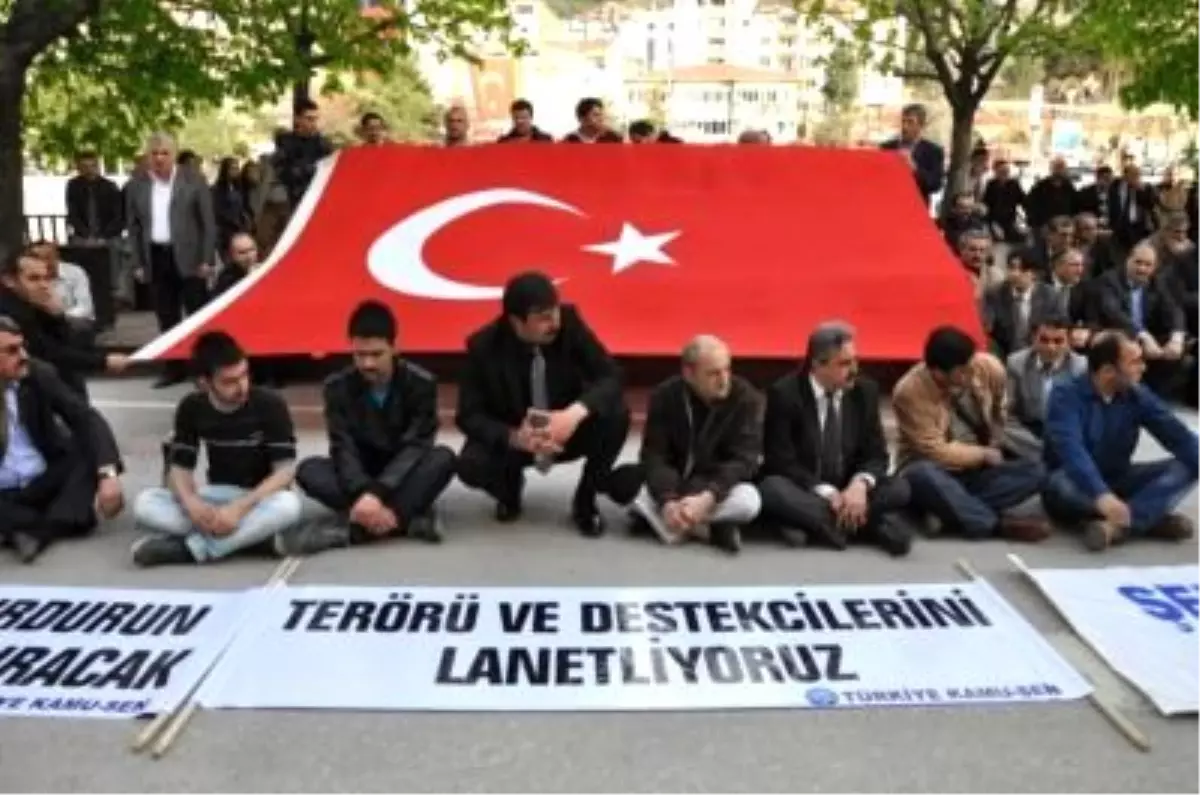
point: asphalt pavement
(1026, 748)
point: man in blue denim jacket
(1092, 426)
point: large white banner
(1142, 620)
(529, 649)
(108, 653)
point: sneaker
(158, 550)
(309, 538)
(427, 527)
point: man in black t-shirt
(384, 470)
(250, 441)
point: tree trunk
(12, 176)
(962, 141)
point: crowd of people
(1084, 306)
(808, 461)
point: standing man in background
(925, 158)
(174, 235)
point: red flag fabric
(653, 243)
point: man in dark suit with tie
(927, 159)
(59, 464)
(1008, 308)
(538, 389)
(384, 470)
(1132, 299)
(825, 458)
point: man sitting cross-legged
(248, 435)
(1032, 373)
(1092, 428)
(538, 389)
(825, 458)
(59, 464)
(700, 450)
(383, 471)
(950, 418)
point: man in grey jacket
(174, 236)
(1032, 373)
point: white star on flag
(634, 247)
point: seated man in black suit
(27, 297)
(700, 451)
(58, 459)
(825, 458)
(539, 388)
(1072, 290)
(1134, 300)
(384, 471)
(1009, 307)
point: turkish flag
(653, 243)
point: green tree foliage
(1156, 41)
(102, 73)
(961, 45)
(841, 76)
(401, 96)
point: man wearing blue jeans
(1092, 427)
(251, 446)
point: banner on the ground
(543, 649)
(1142, 620)
(663, 238)
(107, 653)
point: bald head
(708, 367)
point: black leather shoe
(793, 536)
(589, 522)
(624, 483)
(727, 537)
(508, 512)
(27, 547)
(893, 538)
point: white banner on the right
(1143, 620)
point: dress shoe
(893, 538)
(508, 511)
(1174, 527)
(726, 537)
(1099, 535)
(793, 536)
(158, 550)
(1027, 529)
(426, 527)
(27, 547)
(588, 521)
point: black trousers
(784, 504)
(598, 440)
(415, 495)
(173, 293)
(57, 504)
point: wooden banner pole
(169, 724)
(1114, 716)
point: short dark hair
(948, 348)
(1050, 318)
(520, 104)
(86, 154)
(9, 326)
(1024, 258)
(213, 351)
(586, 106)
(642, 128)
(372, 320)
(303, 106)
(1105, 350)
(528, 293)
(12, 265)
(186, 157)
(369, 117)
(1104, 171)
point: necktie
(539, 396)
(831, 443)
